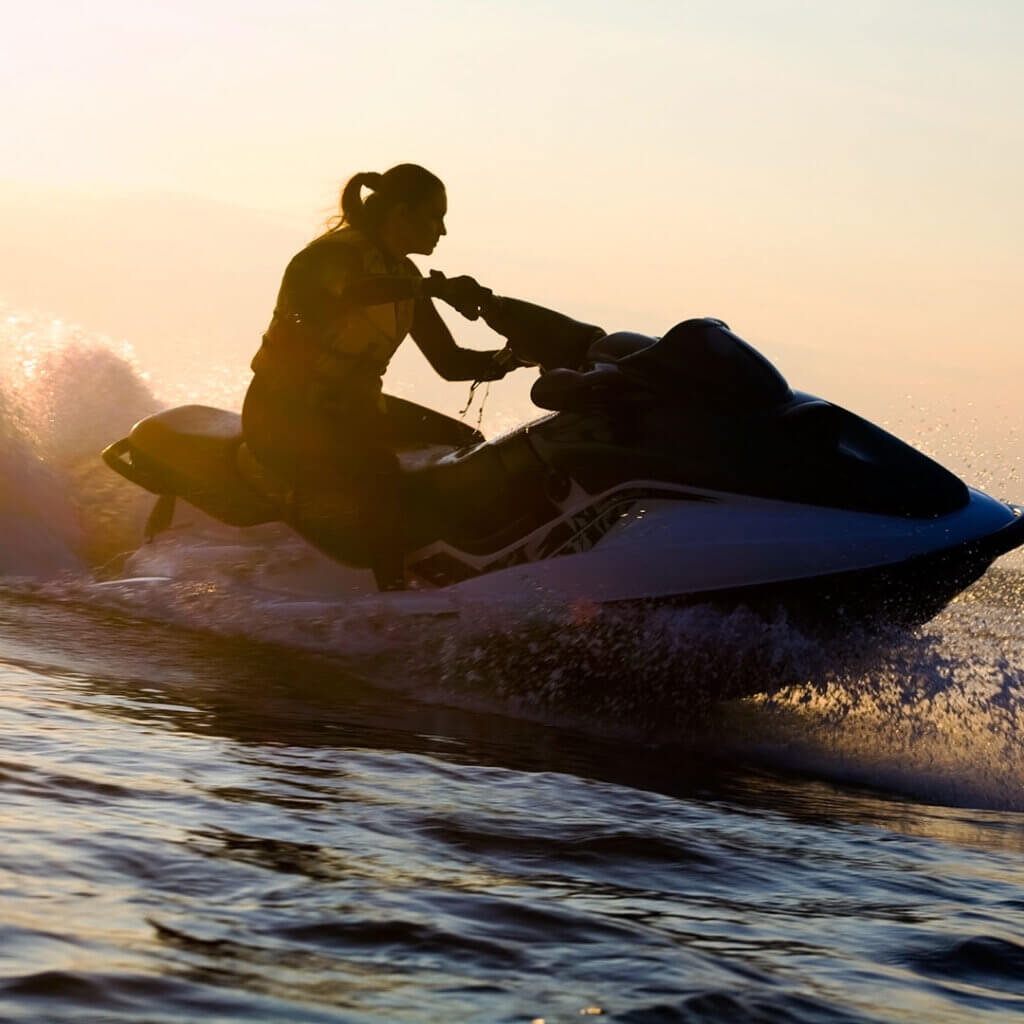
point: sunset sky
(839, 181)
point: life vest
(332, 351)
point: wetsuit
(315, 412)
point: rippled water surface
(206, 827)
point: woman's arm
(435, 341)
(322, 278)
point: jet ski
(679, 469)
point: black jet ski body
(680, 469)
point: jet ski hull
(821, 566)
(652, 545)
(904, 594)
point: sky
(839, 181)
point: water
(219, 805)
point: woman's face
(419, 228)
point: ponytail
(353, 206)
(403, 183)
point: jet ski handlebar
(538, 335)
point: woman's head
(404, 211)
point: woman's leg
(347, 452)
(382, 518)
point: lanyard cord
(483, 401)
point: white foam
(64, 395)
(939, 717)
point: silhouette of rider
(315, 412)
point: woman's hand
(462, 293)
(503, 361)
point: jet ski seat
(190, 452)
(199, 437)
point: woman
(315, 412)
